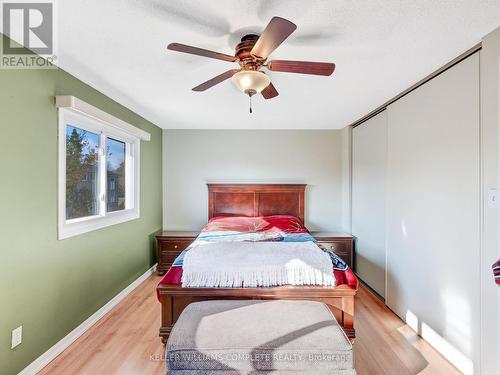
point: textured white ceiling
(380, 48)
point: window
(98, 173)
(115, 175)
(82, 154)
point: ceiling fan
(251, 54)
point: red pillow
(286, 223)
(283, 223)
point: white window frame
(74, 112)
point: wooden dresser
(169, 244)
(340, 243)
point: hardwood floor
(386, 345)
(126, 341)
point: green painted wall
(46, 285)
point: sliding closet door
(433, 211)
(369, 152)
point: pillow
(275, 223)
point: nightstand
(340, 243)
(169, 244)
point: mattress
(267, 228)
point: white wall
(433, 212)
(369, 159)
(194, 157)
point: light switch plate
(493, 198)
(17, 337)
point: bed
(275, 210)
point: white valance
(75, 104)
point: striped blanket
(280, 228)
(271, 228)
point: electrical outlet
(17, 337)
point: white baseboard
(42, 361)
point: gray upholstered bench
(253, 337)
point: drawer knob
(175, 246)
(332, 247)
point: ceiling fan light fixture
(251, 54)
(250, 81)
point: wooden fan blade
(277, 30)
(216, 80)
(200, 52)
(304, 67)
(269, 92)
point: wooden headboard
(256, 199)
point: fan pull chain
(250, 93)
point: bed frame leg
(348, 317)
(343, 310)
(166, 318)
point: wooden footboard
(174, 298)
